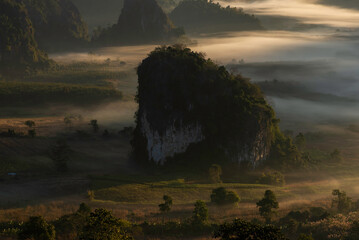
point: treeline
(204, 16)
(30, 93)
(101, 224)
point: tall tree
(267, 205)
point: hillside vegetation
(204, 16)
(341, 3)
(58, 24)
(30, 93)
(141, 21)
(19, 52)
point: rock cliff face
(189, 106)
(141, 21)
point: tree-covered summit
(204, 16)
(141, 21)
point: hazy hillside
(342, 3)
(106, 12)
(203, 16)
(99, 12)
(141, 21)
(19, 53)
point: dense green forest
(58, 24)
(202, 16)
(30, 93)
(19, 52)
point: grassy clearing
(182, 192)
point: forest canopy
(19, 52)
(204, 16)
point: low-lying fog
(319, 51)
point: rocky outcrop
(141, 21)
(190, 108)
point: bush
(102, 225)
(69, 226)
(272, 178)
(215, 172)
(200, 213)
(91, 195)
(341, 201)
(267, 204)
(166, 206)
(243, 230)
(38, 229)
(305, 237)
(221, 196)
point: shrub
(221, 196)
(215, 172)
(94, 125)
(102, 225)
(272, 178)
(166, 206)
(38, 229)
(305, 237)
(341, 201)
(91, 195)
(243, 230)
(30, 123)
(267, 204)
(200, 212)
(69, 226)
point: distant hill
(19, 52)
(102, 13)
(58, 24)
(141, 21)
(283, 89)
(204, 16)
(342, 3)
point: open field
(103, 165)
